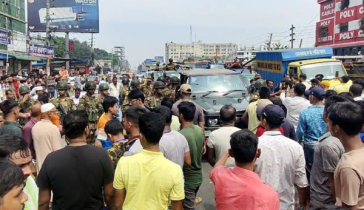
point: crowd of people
(139, 145)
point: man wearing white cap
(186, 91)
(38, 91)
(45, 133)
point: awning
(3, 56)
(26, 57)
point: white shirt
(220, 140)
(174, 146)
(115, 90)
(359, 98)
(308, 86)
(76, 100)
(281, 165)
(294, 105)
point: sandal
(198, 200)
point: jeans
(189, 201)
(309, 150)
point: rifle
(60, 107)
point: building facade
(341, 26)
(180, 52)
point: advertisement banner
(350, 14)
(4, 36)
(80, 16)
(41, 51)
(159, 58)
(327, 10)
(325, 32)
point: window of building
(344, 27)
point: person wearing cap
(281, 164)
(147, 88)
(46, 134)
(155, 100)
(311, 125)
(260, 106)
(63, 103)
(325, 85)
(38, 91)
(250, 116)
(185, 93)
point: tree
(100, 54)
(279, 46)
(58, 44)
(82, 50)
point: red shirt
(261, 130)
(16, 89)
(238, 188)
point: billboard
(159, 58)
(4, 36)
(80, 16)
(327, 10)
(325, 32)
(41, 51)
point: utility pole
(92, 48)
(48, 35)
(301, 43)
(292, 35)
(67, 49)
(270, 41)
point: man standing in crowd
(311, 125)
(77, 96)
(356, 90)
(326, 157)
(12, 185)
(133, 186)
(136, 97)
(91, 170)
(296, 104)
(303, 78)
(27, 129)
(270, 85)
(131, 125)
(124, 94)
(345, 121)
(196, 139)
(46, 134)
(17, 150)
(218, 143)
(63, 103)
(11, 126)
(114, 131)
(246, 189)
(25, 102)
(344, 85)
(104, 91)
(93, 107)
(110, 106)
(155, 101)
(115, 88)
(288, 169)
(185, 92)
(250, 116)
(173, 145)
(175, 124)
(9, 95)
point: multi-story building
(341, 26)
(180, 52)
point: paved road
(206, 191)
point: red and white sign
(327, 25)
(321, 1)
(349, 14)
(327, 10)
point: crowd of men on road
(68, 150)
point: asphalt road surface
(206, 191)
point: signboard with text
(349, 14)
(325, 31)
(41, 51)
(66, 16)
(4, 36)
(327, 10)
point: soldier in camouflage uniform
(63, 103)
(93, 107)
(103, 91)
(124, 92)
(25, 103)
(170, 92)
(170, 65)
(254, 96)
(148, 88)
(155, 101)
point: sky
(144, 26)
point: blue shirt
(311, 125)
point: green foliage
(58, 44)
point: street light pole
(48, 36)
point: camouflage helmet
(260, 83)
(125, 81)
(62, 86)
(24, 90)
(159, 85)
(90, 85)
(175, 80)
(134, 83)
(103, 86)
(161, 79)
